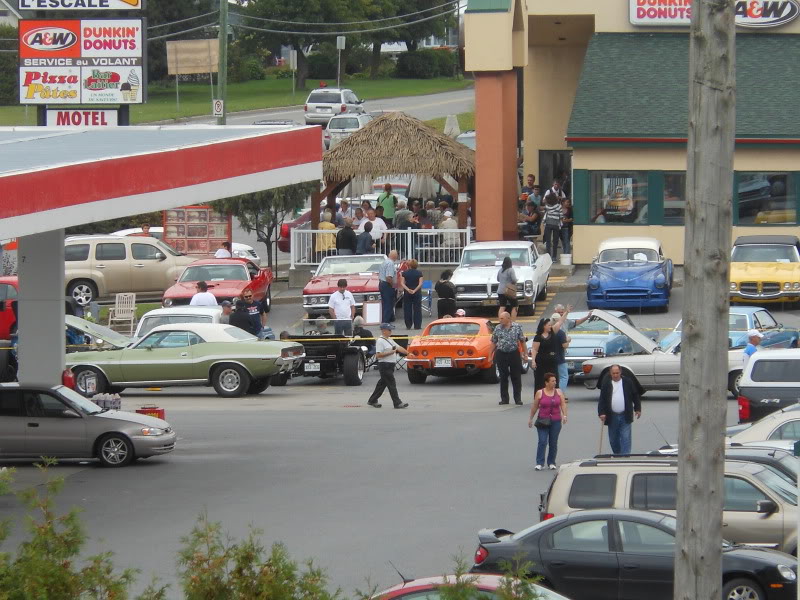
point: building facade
(603, 92)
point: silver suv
(760, 505)
(341, 127)
(324, 103)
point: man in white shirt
(203, 297)
(619, 403)
(342, 308)
(386, 350)
(378, 226)
(224, 251)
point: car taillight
(744, 408)
(68, 379)
(586, 368)
(305, 108)
(344, 107)
(480, 555)
(285, 231)
(546, 516)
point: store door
(555, 164)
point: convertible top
(784, 240)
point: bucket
(566, 259)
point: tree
(264, 212)
(9, 74)
(412, 34)
(704, 339)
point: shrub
(9, 89)
(387, 69)
(445, 61)
(358, 60)
(322, 65)
(417, 64)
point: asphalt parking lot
(348, 485)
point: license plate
(312, 367)
(489, 302)
(443, 362)
(324, 110)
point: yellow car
(765, 268)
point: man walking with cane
(385, 350)
(619, 402)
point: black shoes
(503, 402)
(374, 404)
(518, 402)
(401, 405)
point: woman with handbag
(552, 407)
(507, 289)
(545, 350)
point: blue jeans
(619, 433)
(387, 302)
(548, 436)
(563, 377)
(565, 240)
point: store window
(619, 197)
(674, 198)
(766, 198)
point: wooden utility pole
(222, 71)
(704, 339)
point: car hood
(759, 270)
(98, 332)
(737, 339)
(484, 275)
(636, 336)
(627, 272)
(220, 289)
(129, 417)
(356, 284)
(762, 555)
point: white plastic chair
(123, 311)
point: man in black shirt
(240, 317)
(346, 239)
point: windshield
(774, 253)
(595, 325)
(467, 140)
(787, 491)
(85, 405)
(343, 123)
(791, 462)
(350, 266)
(324, 98)
(491, 257)
(626, 254)
(240, 335)
(455, 329)
(215, 273)
(148, 323)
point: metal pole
(177, 77)
(339, 70)
(222, 77)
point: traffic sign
(218, 107)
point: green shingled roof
(636, 85)
(488, 5)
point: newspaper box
(151, 410)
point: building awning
(634, 88)
(60, 177)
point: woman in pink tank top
(552, 408)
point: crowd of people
(548, 215)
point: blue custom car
(630, 273)
(595, 338)
(740, 320)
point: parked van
(770, 382)
(99, 266)
(760, 505)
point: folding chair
(427, 296)
(123, 311)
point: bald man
(505, 344)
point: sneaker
(374, 404)
(538, 467)
(518, 402)
(553, 467)
(401, 405)
(501, 402)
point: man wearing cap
(387, 277)
(342, 307)
(227, 309)
(386, 349)
(461, 312)
(753, 340)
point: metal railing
(428, 246)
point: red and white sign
(80, 4)
(755, 14)
(81, 118)
(59, 85)
(111, 38)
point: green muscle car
(231, 360)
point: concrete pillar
(496, 155)
(41, 308)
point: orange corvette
(448, 347)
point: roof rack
(630, 459)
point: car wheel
(416, 377)
(82, 291)
(280, 380)
(353, 368)
(742, 589)
(267, 304)
(258, 385)
(114, 450)
(543, 292)
(230, 381)
(734, 379)
(83, 376)
(527, 310)
(491, 375)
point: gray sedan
(58, 422)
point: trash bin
(566, 259)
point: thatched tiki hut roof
(395, 144)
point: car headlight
(660, 281)
(167, 302)
(151, 431)
(734, 287)
(787, 573)
(787, 286)
(796, 285)
(460, 288)
(594, 283)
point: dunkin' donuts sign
(749, 13)
(89, 61)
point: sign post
(222, 76)
(293, 67)
(340, 44)
(218, 108)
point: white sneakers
(553, 467)
(538, 467)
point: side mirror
(68, 413)
(730, 342)
(677, 349)
(161, 256)
(766, 507)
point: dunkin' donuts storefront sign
(749, 13)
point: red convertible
(361, 273)
(227, 278)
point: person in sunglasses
(258, 318)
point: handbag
(510, 291)
(542, 422)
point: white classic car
(476, 276)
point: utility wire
(353, 32)
(169, 35)
(419, 12)
(213, 12)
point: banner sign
(192, 57)
(81, 4)
(68, 117)
(754, 14)
(91, 61)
